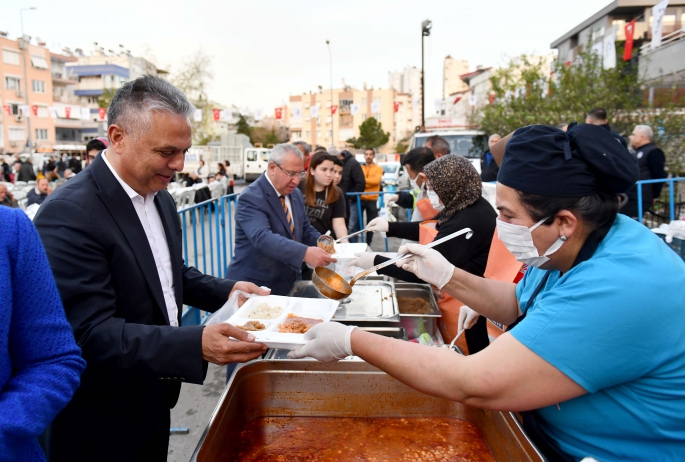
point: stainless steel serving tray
(371, 301)
(416, 324)
(345, 389)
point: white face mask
(519, 241)
(413, 183)
(435, 200)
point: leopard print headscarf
(456, 182)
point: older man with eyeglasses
(274, 238)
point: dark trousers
(371, 209)
(109, 431)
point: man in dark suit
(113, 239)
(273, 234)
(598, 116)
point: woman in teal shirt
(595, 355)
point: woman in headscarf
(458, 186)
(594, 356)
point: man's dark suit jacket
(265, 251)
(110, 288)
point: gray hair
(645, 130)
(132, 105)
(281, 151)
(307, 147)
(440, 145)
(492, 136)
(334, 152)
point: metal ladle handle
(466, 231)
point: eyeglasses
(301, 174)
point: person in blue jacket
(40, 364)
(594, 356)
(273, 236)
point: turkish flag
(34, 109)
(67, 111)
(630, 33)
(216, 113)
(333, 109)
(456, 100)
(8, 109)
(102, 112)
(279, 112)
(491, 98)
(396, 104)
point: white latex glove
(378, 224)
(391, 199)
(426, 264)
(467, 318)
(328, 342)
(364, 260)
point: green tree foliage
(371, 135)
(525, 94)
(243, 127)
(105, 98)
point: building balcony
(664, 62)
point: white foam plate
(347, 251)
(305, 307)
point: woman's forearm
(340, 229)
(495, 300)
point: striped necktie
(288, 216)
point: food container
(371, 302)
(344, 389)
(392, 332)
(271, 336)
(417, 324)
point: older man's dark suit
(113, 298)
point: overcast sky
(264, 51)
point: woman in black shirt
(323, 200)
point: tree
(193, 78)
(371, 135)
(525, 94)
(105, 99)
(243, 127)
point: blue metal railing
(671, 195)
(207, 230)
(360, 217)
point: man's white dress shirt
(154, 230)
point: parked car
(468, 143)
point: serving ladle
(332, 285)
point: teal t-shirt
(615, 325)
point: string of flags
(55, 112)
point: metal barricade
(360, 217)
(207, 230)
(676, 206)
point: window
(12, 83)
(41, 134)
(377, 116)
(10, 57)
(16, 133)
(38, 86)
(345, 120)
(363, 116)
(14, 108)
(251, 156)
(39, 62)
(345, 104)
(308, 134)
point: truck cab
(468, 143)
(256, 162)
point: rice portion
(265, 311)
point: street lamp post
(425, 32)
(26, 78)
(330, 56)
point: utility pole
(330, 56)
(425, 32)
(24, 45)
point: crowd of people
(91, 372)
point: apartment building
(408, 81)
(311, 120)
(25, 96)
(452, 69)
